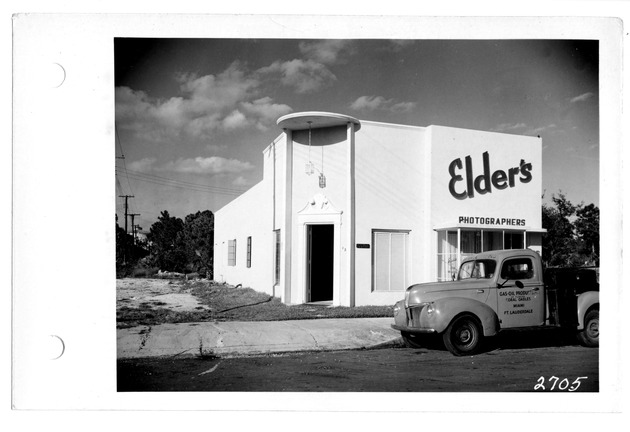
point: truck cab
(495, 291)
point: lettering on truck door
(520, 307)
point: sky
(194, 115)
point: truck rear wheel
(589, 336)
(463, 336)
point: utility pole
(133, 226)
(137, 229)
(126, 197)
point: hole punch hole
(55, 347)
(56, 75)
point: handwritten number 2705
(562, 384)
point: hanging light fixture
(310, 167)
(309, 164)
(322, 177)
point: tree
(572, 237)
(197, 237)
(559, 239)
(167, 251)
(587, 230)
(128, 253)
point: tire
(463, 336)
(589, 336)
(411, 340)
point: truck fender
(585, 301)
(447, 309)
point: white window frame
(406, 263)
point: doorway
(320, 263)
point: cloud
(210, 165)
(522, 128)
(504, 127)
(369, 103)
(206, 104)
(235, 120)
(373, 103)
(143, 165)
(582, 98)
(328, 51)
(305, 76)
(240, 181)
(540, 129)
(214, 165)
(403, 107)
(265, 111)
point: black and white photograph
(316, 213)
(295, 214)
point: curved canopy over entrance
(315, 119)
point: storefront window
(513, 240)
(471, 242)
(447, 255)
(492, 240)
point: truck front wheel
(463, 336)
(411, 340)
(589, 336)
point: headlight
(430, 308)
(396, 308)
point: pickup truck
(496, 291)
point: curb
(238, 339)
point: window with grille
(276, 273)
(232, 252)
(249, 252)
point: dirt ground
(160, 301)
(509, 368)
(171, 294)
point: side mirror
(519, 284)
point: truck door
(520, 307)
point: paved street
(521, 368)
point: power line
(122, 156)
(182, 182)
(126, 197)
(184, 185)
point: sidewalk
(250, 338)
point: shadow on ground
(511, 340)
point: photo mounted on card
(276, 206)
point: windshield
(480, 269)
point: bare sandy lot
(172, 294)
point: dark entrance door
(320, 262)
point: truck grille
(413, 315)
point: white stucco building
(352, 212)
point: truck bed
(563, 285)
